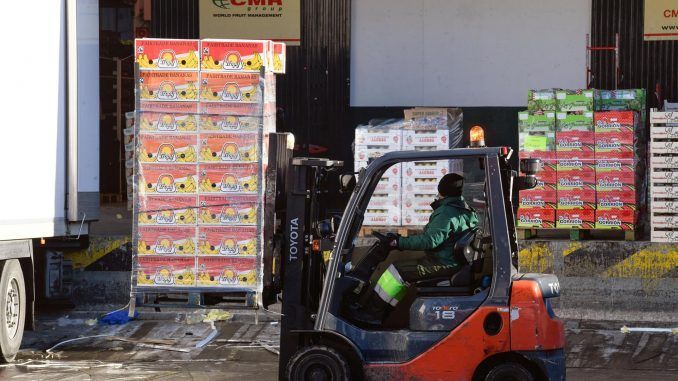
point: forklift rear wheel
(508, 371)
(318, 363)
(12, 308)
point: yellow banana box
(222, 272)
(168, 117)
(278, 57)
(166, 148)
(229, 178)
(226, 117)
(166, 240)
(165, 271)
(234, 55)
(230, 147)
(168, 179)
(227, 240)
(168, 86)
(168, 210)
(228, 210)
(230, 87)
(166, 54)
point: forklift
(488, 322)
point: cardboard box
(576, 174)
(228, 240)
(426, 140)
(631, 99)
(365, 154)
(166, 240)
(167, 148)
(577, 199)
(370, 136)
(384, 201)
(420, 186)
(233, 55)
(574, 100)
(164, 86)
(536, 198)
(279, 58)
(165, 271)
(167, 210)
(615, 175)
(435, 169)
(168, 117)
(541, 100)
(229, 178)
(547, 176)
(382, 217)
(614, 146)
(226, 272)
(528, 123)
(615, 219)
(167, 179)
(166, 54)
(231, 147)
(230, 87)
(536, 218)
(230, 117)
(574, 122)
(579, 144)
(228, 210)
(617, 200)
(619, 122)
(537, 145)
(575, 219)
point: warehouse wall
(464, 53)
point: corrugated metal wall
(644, 64)
(313, 96)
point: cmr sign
(661, 20)
(277, 20)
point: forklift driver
(451, 216)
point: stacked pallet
(664, 176)
(203, 110)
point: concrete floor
(242, 349)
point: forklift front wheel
(318, 363)
(508, 371)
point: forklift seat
(463, 251)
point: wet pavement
(182, 346)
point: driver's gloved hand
(390, 241)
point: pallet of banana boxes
(198, 169)
(664, 175)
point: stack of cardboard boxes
(406, 190)
(588, 179)
(203, 110)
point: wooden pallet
(404, 231)
(193, 299)
(576, 234)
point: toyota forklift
(486, 322)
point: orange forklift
(487, 322)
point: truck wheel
(12, 309)
(508, 371)
(318, 363)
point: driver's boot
(370, 311)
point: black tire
(12, 309)
(317, 363)
(508, 371)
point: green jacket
(450, 215)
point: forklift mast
(301, 263)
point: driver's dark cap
(451, 185)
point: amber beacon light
(477, 137)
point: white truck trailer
(50, 140)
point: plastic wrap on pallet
(198, 170)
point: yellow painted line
(98, 248)
(536, 258)
(571, 248)
(651, 262)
